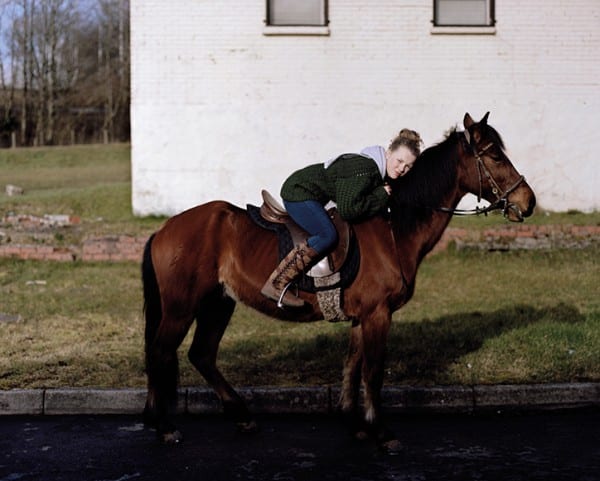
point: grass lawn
(476, 317)
(91, 182)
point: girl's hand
(388, 189)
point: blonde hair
(408, 138)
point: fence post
(13, 139)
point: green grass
(504, 317)
(81, 324)
(90, 182)
(476, 317)
(56, 168)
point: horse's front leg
(349, 396)
(375, 331)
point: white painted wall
(220, 110)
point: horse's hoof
(172, 438)
(248, 427)
(361, 436)
(391, 447)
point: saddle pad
(306, 283)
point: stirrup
(280, 303)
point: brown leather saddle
(272, 211)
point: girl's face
(399, 161)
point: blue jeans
(313, 218)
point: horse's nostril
(530, 207)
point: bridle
(501, 202)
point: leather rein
(501, 202)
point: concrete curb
(311, 399)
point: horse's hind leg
(162, 369)
(211, 324)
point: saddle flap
(339, 254)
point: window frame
(490, 25)
(300, 25)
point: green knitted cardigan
(353, 182)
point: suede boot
(296, 262)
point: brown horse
(204, 260)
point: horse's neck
(415, 242)
(414, 246)
(431, 234)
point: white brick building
(223, 105)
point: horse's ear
(483, 121)
(468, 121)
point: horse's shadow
(419, 352)
(424, 350)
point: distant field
(477, 317)
(91, 182)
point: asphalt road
(508, 446)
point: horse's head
(488, 172)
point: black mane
(494, 136)
(426, 184)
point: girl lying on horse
(356, 183)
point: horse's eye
(495, 156)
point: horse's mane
(432, 176)
(494, 136)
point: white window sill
(272, 30)
(463, 30)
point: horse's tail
(152, 304)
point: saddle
(329, 276)
(272, 211)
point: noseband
(501, 202)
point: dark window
(463, 13)
(297, 12)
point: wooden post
(13, 139)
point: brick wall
(117, 248)
(521, 236)
(109, 248)
(510, 237)
(220, 110)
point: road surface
(508, 446)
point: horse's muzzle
(519, 203)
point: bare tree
(113, 59)
(26, 42)
(53, 24)
(69, 68)
(7, 76)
